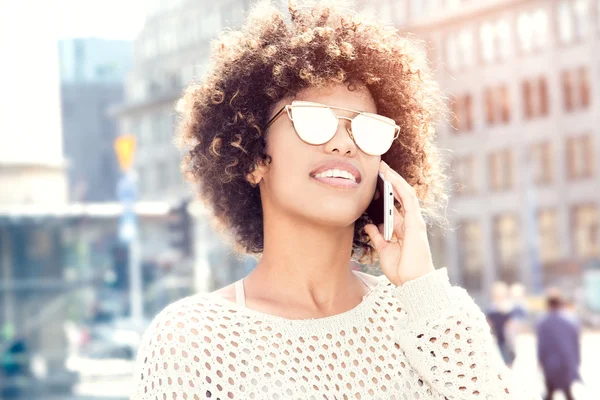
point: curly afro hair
(277, 54)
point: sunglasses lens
(314, 125)
(372, 135)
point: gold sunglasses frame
(296, 103)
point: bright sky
(113, 19)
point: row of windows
(576, 95)
(160, 177)
(502, 166)
(494, 39)
(191, 28)
(509, 244)
(154, 129)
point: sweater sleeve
(446, 338)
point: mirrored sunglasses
(316, 124)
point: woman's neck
(306, 262)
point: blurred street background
(99, 231)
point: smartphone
(381, 209)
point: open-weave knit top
(425, 339)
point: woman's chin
(337, 218)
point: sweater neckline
(349, 314)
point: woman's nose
(342, 142)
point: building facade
(523, 86)
(172, 50)
(93, 72)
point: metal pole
(135, 281)
(128, 232)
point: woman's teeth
(336, 173)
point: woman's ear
(259, 171)
(376, 195)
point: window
(464, 175)
(573, 20)
(489, 106)
(144, 186)
(156, 129)
(501, 170)
(581, 15)
(586, 225)
(532, 28)
(167, 127)
(386, 10)
(177, 174)
(470, 254)
(452, 53)
(535, 97)
(549, 244)
(146, 131)
(504, 100)
(543, 96)
(508, 246)
(461, 112)
(162, 176)
(568, 95)
(576, 89)
(584, 87)
(565, 22)
(497, 104)
(580, 159)
(460, 50)
(541, 163)
(487, 42)
(465, 45)
(527, 99)
(495, 41)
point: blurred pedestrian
(498, 315)
(518, 318)
(558, 348)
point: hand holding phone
(381, 209)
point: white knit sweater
(422, 340)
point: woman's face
(292, 184)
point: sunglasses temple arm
(275, 117)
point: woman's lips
(337, 182)
(350, 178)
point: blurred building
(93, 72)
(32, 174)
(31, 158)
(523, 86)
(171, 50)
(94, 60)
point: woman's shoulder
(188, 330)
(195, 308)
(189, 319)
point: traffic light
(181, 229)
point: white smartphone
(381, 209)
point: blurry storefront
(64, 271)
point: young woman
(287, 132)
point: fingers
(375, 236)
(398, 223)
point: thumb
(376, 237)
